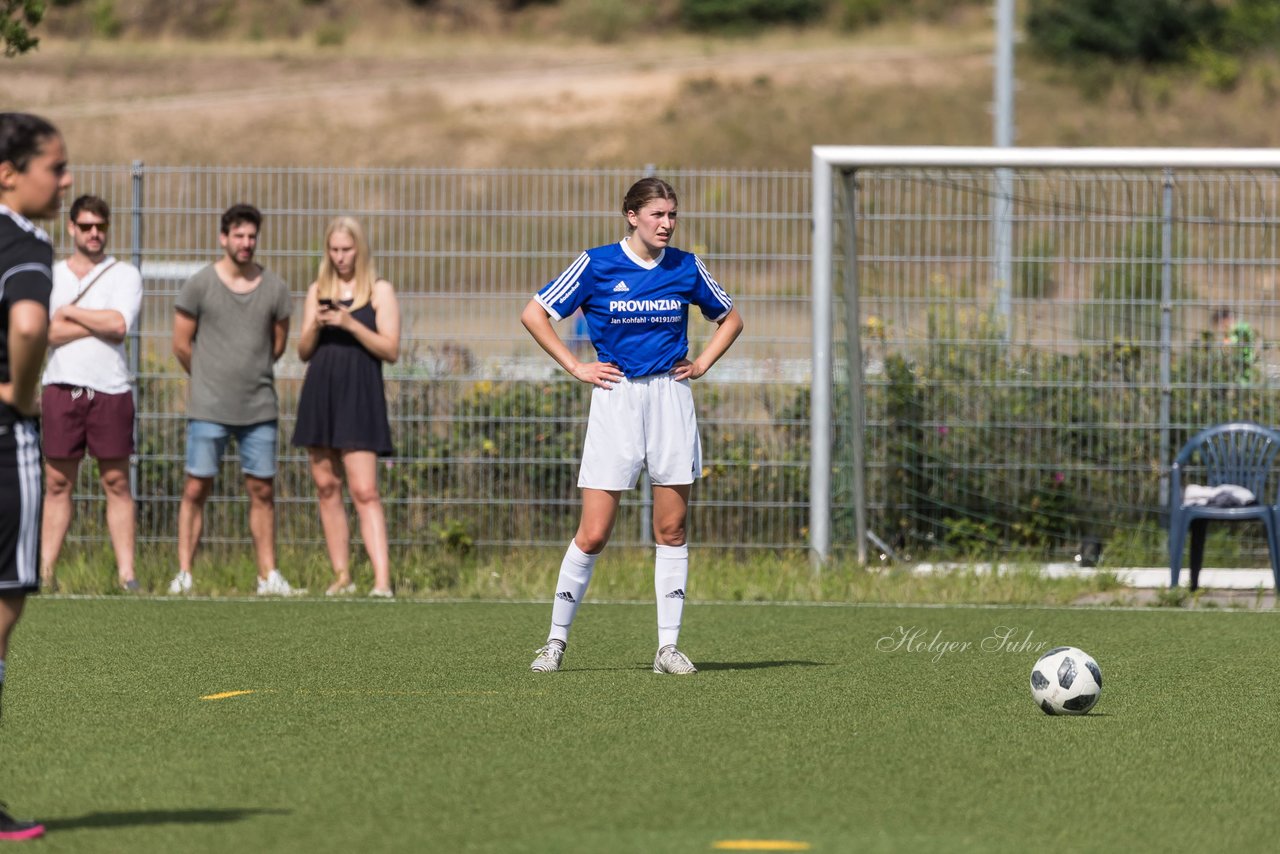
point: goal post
(835, 173)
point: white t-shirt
(91, 362)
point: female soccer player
(350, 326)
(33, 179)
(635, 295)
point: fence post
(1166, 330)
(135, 334)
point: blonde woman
(350, 326)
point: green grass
(438, 573)
(416, 727)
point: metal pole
(820, 390)
(853, 357)
(1002, 203)
(1166, 331)
(135, 334)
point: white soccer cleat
(548, 658)
(181, 584)
(275, 585)
(671, 660)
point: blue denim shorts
(206, 442)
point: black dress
(342, 404)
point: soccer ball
(1066, 681)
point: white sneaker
(548, 658)
(671, 660)
(181, 584)
(275, 585)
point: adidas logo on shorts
(568, 597)
(676, 594)
(621, 287)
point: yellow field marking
(225, 694)
(360, 693)
(357, 692)
(760, 845)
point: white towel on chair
(1226, 495)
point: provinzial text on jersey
(644, 305)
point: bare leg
(59, 480)
(599, 513)
(10, 611)
(120, 514)
(670, 511)
(262, 521)
(195, 492)
(333, 515)
(362, 483)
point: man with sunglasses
(87, 400)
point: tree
(1151, 31)
(17, 19)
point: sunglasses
(86, 227)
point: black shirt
(26, 262)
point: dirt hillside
(485, 98)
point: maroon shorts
(73, 418)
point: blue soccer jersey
(637, 313)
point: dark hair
(1221, 314)
(240, 213)
(93, 205)
(646, 190)
(22, 135)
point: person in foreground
(33, 179)
(350, 326)
(635, 295)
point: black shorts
(21, 502)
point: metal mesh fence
(1042, 406)
(1027, 407)
(487, 429)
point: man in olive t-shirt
(229, 328)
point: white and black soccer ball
(1066, 681)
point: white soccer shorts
(644, 423)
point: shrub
(1251, 24)
(605, 21)
(861, 13)
(1149, 31)
(106, 23)
(331, 34)
(748, 15)
(975, 449)
(1218, 70)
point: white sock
(571, 587)
(670, 577)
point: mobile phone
(328, 303)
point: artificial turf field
(417, 727)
